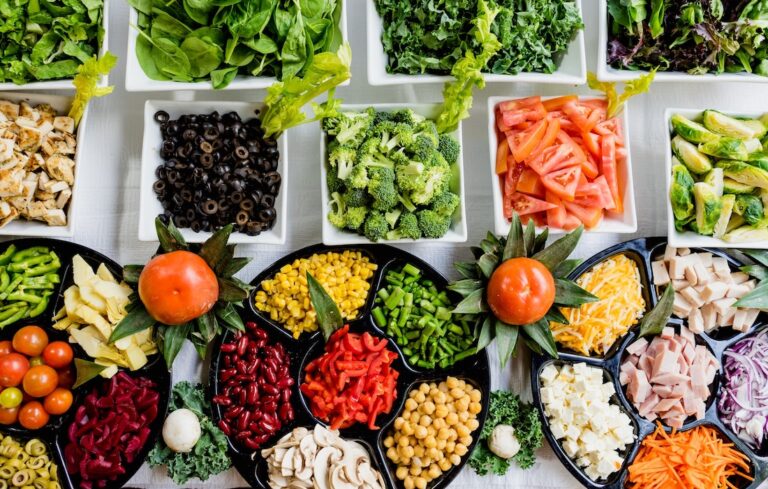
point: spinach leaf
(203, 56)
(294, 52)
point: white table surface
(109, 193)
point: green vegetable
(744, 173)
(86, 81)
(691, 131)
(657, 318)
(48, 40)
(750, 208)
(209, 457)
(506, 408)
(389, 174)
(681, 192)
(725, 125)
(746, 234)
(200, 40)
(716, 180)
(328, 315)
(708, 207)
(729, 201)
(726, 148)
(695, 160)
(27, 282)
(731, 186)
(615, 100)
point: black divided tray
(643, 251)
(54, 434)
(309, 346)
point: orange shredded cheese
(595, 327)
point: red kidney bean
(271, 376)
(270, 390)
(251, 326)
(225, 427)
(251, 443)
(242, 345)
(227, 347)
(242, 421)
(284, 384)
(270, 407)
(285, 411)
(266, 425)
(252, 394)
(227, 374)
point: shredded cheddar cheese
(595, 327)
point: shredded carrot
(695, 459)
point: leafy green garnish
(48, 40)
(654, 322)
(615, 100)
(328, 315)
(209, 457)
(286, 99)
(86, 83)
(86, 371)
(506, 408)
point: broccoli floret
(433, 182)
(422, 149)
(392, 216)
(408, 175)
(449, 148)
(380, 117)
(406, 116)
(406, 201)
(427, 129)
(382, 188)
(336, 214)
(394, 136)
(358, 177)
(445, 204)
(407, 227)
(376, 226)
(335, 184)
(369, 154)
(432, 224)
(349, 127)
(355, 217)
(357, 197)
(343, 159)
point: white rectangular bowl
(572, 69)
(689, 239)
(333, 236)
(22, 227)
(625, 223)
(66, 84)
(137, 81)
(149, 205)
(607, 73)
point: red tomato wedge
(563, 183)
(530, 183)
(558, 160)
(610, 171)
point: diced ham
(676, 422)
(737, 291)
(720, 265)
(709, 315)
(665, 405)
(690, 275)
(686, 335)
(669, 379)
(683, 251)
(638, 388)
(662, 390)
(638, 347)
(722, 306)
(689, 353)
(647, 406)
(668, 333)
(660, 274)
(665, 362)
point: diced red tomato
(539, 219)
(611, 126)
(602, 183)
(589, 216)
(553, 129)
(556, 216)
(530, 183)
(579, 116)
(592, 143)
(524, 204)
(519, 103)
(523, 143)
(609, 169)
(558, 102)
(563, 183)
(512, 176)
(589, 194)
(500, 126)
(589, 166)
(502, 152)
(554, 158)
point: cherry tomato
(35, 361)
(58, 354)
(521, 291)
(30, 340)
(66, 377)
(178, 287)
(13, 367)
(6, 347)
(11, 397)
(9, 416)
(40, 381)
(58, 402)
(32, 416)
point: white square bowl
(333, 236)
(605, 72)
(66, 84)
(572, 69)
(137, 81)
(149, 205)
(689, 239)
(22, 227)
(625, 223)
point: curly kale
(506, 408)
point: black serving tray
(54, 434)
(308, 346)
(643, 251)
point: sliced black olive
(189, 135)
(206, 147)
(190, 214)
(159, 187)
(268, 200)
(246, 205)
(267, 214)
(210, 207)
(162, 116)
(236, 197)
(206, 160)
(242, 218)
(195, 226)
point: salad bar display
(352, 364)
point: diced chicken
(703, 275)
(64, 124)
(740, 320)
(683, 251)
(709, 314)
(687, 336)
(678, 264)
(61, 167)
(692, 296)
(660, 274)
(706, 259)
(681, 307)
(722, 306)
(9, 109)
(669, 253)
(680, 284)
(6, 149)
(63, 198)
(738, 291)
(739, 277)
(55, 217)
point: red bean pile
(255, 388)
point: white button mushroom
(181, 431)
(503, 441)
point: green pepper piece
(5, 258)
(28, 253)
(43, 269)
(5, 280)
(30, 262)
(11, 287)
(40, 307)
(19, 314)
(11, 310)
(466, 353)
(23, 297)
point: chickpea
(462, 430)
(430, 442)
(421, 483)
(475, 395)
(475, 407)
(434, 453)
(399, 422)
(450, 447)
(452, 382)
(415, 416)
(467, 440)
(439, 423)
(443, 434)
(462, 404)
(425, 421)
(463, 417)
(418, 451)
(452, 435)
(434, 471)
(408, 429)
(406, 452)
(457, 393)
(415, 469)
(401, 472)
(403, 442)
(451, 419)
(420, 432)
(424, 388)
(392, 454)
(428, 407)
(443, 388)
(460, 449)
(444, 464)
(433, 391)
(389, 442)
(455, 459)
(473, 424)
(440, 397)
(410, 405)
(419, 397)
(441, 410)
(408, 483)
(441, 444)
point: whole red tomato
(13, 367)
(58, 402)
(178, 287)
(33, 416)
(30, 340)
(40, 380)
(58, 354)
(9, 416)
(5, 347)
(521, 291)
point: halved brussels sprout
(725, 215)
(736, 222)
(726, 147)
(691, 131)
(708, 207)
(729, 126)
(715, 178)
(757, 127)
(746, 234)
(695, 160)
(731, 186)
(680, 193)
(759, 159)
(750, 208)
(744, 173)
(753, 146)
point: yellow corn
(345, 276)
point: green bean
(5, 258)
(19, 315)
